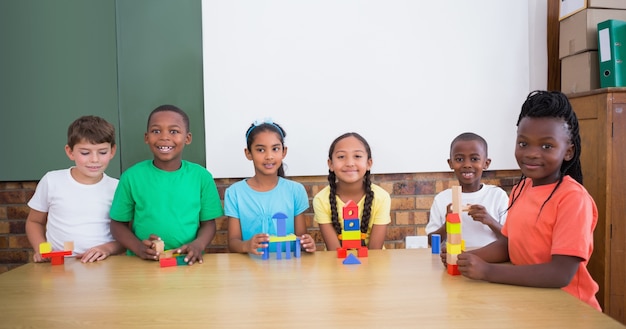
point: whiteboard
(407, 75)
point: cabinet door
(617, 197)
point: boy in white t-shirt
(482, 223)
(73, 204)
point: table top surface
(399, 288)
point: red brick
(13, 197)
(18, 226)
(3, 212)
(13, 256)
(4, 242)
(19, 242)
(5, 227)
(398, 233)
(17, 212)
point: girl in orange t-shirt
(548, 235)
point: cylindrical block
(435, 242)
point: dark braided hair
(255, 129)
(367, 186)
(553, 104)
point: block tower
(282, 238)
(454, 241)
(56, 257)
(351, 235)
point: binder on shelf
(612, 53)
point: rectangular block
(453, 248)
(452, 228)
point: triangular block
(351, 259)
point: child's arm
(556, 273)
(143, 249)
(101, 252)
(377, 236)
(36, 231)
(330, 237)
(195, 248)
(306, 240)
(236, 243)
(479, 213)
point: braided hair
(553, 104)
(257, 128)
(367, 186)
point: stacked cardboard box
(578, 41)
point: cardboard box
(580, 72)
(568, 8)
(579, 32)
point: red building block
(342, 253)
(57, 257)
(362, 252)
(453, 270)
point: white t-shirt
(475, 233)
(76, 212)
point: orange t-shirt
(563, 227)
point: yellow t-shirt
(380, 215)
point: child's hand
(260, 240)
(92, 255)
(147, 250)
(479, 214)
(193, 253)
(307, 242)
(38, 259)
(472, 266)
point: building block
(57, 257)
(350, 210)
(351, 244)
(282, 238)
(159, 246)
(180, 260)
(435, 244)
(351, 235)
(45, 247)
(342, 253)
(351, 260)
(351, 225)
(167, 262)
(454, 241)
(68, 245)
(453, 269)
(362, 252)
(281, 223)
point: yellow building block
(45, 247)
(452, 228)
(351, 235)
(453, 248)
(289, 237)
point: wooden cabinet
(603, 133)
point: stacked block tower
(56, 257)
(454, 240)
(282, 238)
(351, 235)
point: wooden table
(391, 288)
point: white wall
(407, 75)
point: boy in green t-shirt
(166, 198)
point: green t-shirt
(170, 204)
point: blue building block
(351, 260)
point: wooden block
(456, 199)
(159, 246)
(68, 245)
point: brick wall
(411, 197)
